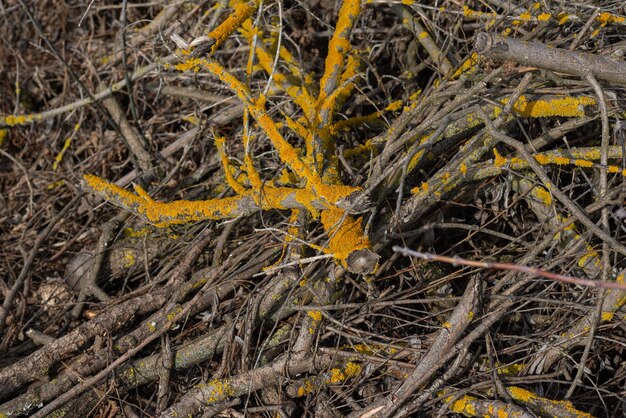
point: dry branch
(534, 54)
(305, 143)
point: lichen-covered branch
(184, 211)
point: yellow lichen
(589, 256)
(333, 376)
(551, 107)
(498, 160)
(316, 315)
(542, 159)
(607, 316)
(338, 47)
(543, 195)
(222, 32)
(136, 233)
(311, 188)
(129, 258)
(463, 406)
(345, 234)
(511, 369)
(306, 388)
(561, 160)
(528, 397)
(15, 120)
(218, 390)
(336, 376)
(606, 18)
(544, 17)
(563, 18)
(352, 369)
(66, 145)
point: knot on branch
(363, 261)
(485, 42)
(355, 203)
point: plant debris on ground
(312, 208)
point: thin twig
(458, 261)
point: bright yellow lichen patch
(463, 406)
(345, 234)
(66, 145)
(333, 376)
(580, 158)
(338, 47)
(15, 120)
(583, 163)
(606, 18)
(544, 17)
(567, 106)
(543, 195)
(316, 315)
(591, 256)
(511, 370)
(306, 387)
(371, 349)
(222, 32)
(607, 316)
(219, 390)
(498, 159)
(528, 397)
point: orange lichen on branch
(464, 405)
(163, 214)
(345, 234)
(471, 406)
(605, 18)
(220, 144)
(374, 117)
(338, 47)
(314, 176)
(334, 100)
(242, 12)
(300, 94)
(467, 67)
(16, 120)
(184, 211)
(332, 377)
(333, 194)
(542, 194)
(544, 405)
(218, 390)
(571, 107)
(316, 315)
(579, 157)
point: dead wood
(201, 205)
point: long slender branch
(535, 54)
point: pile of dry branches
(312, 208)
